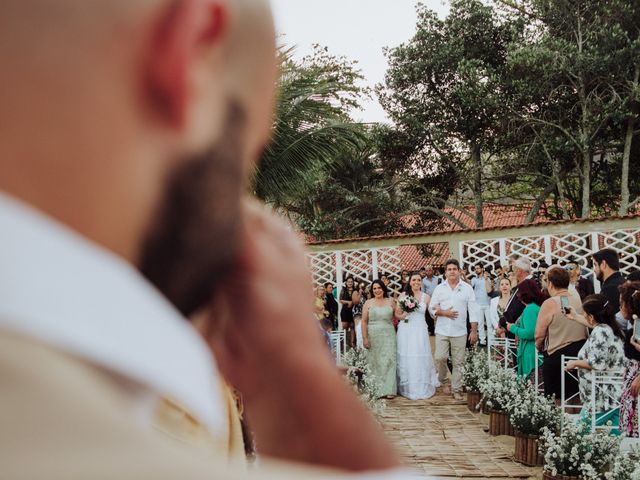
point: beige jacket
(63, 419)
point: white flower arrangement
(576, 451)
(475, 369)
(626, 466)
(363, 381)
(530, 412)
(500, 388)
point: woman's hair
(408, 289)
(630, 296)
(558, 277)
(344, 292)
(529, 292)
(385, 292)
(603, 312)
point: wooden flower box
(548, 476)
(526, 451)
(499, 424)
(473, 399)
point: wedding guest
(483, 287)
(497, 308)
(379, 337)
(417, 377)
(331, 305)
(429, 283)
(606, 264)
(320, 303)
(346, 311)
(630, 309)
(582, 286)
(556, 335)
(530, 294)
(359, 299)
(603, 352)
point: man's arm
(473, 316)
(292, 389)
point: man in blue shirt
(430, 281)
(482, 287)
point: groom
(452, 300)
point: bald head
(102, 98)
(136, 123)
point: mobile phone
(564, 305)
(636, 330)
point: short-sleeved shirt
(462, 299)
(479, 285)
(428, 286)
(605, 353)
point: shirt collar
(60, 288)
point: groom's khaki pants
(457, 346)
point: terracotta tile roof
(499, 217)
(411, 258)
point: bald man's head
(137, 122)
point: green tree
(312, 125)
(445, 90)
(576, 72)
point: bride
(417, 377)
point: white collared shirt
(460, 298)
(61, 289)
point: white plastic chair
(505, 348)
(338, 344)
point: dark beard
(600, 276)
(191, 244)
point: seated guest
(630, 309)
(603, 352)
(531, 296)
(556, 335)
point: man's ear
(184, 30)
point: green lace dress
(382, 348)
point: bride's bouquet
(407, 304)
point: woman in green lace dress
(379, 337)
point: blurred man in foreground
(128, 130)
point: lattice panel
(625, 242)
(357, 264)
(323, 267)
(577, 246)
(486, 252)
(529, 247)
(389, 263)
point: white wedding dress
(417, 377)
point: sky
(357, 29)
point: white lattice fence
(323, 267)
(363, 265)
(554, 248)
(388, 261)
(577, 246)
(625, 242)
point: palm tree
(312, 126)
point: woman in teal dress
(529, 293)
(379, 337)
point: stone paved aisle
(441, 438)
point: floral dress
(605, 353)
